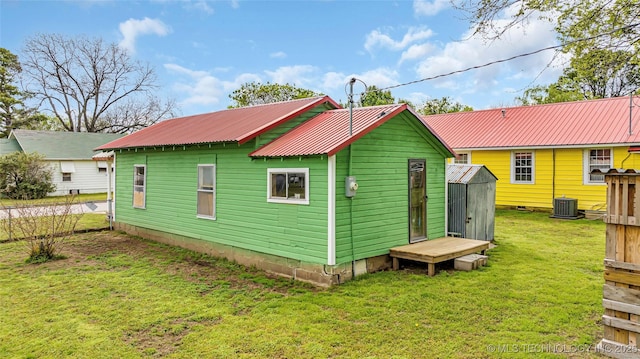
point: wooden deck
(437, 250)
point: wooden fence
(621, 292)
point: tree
(602, 37)
(596, 74)
(25, 176)
(88, 84)
(255, 93)
(574, 19)
(442, 105)
(374, 96)
(13, 112)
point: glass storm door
(417, 201)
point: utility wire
(507, 59)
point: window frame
(468, 159)
(201, 190)
(144, 186)
(513, 167)
(586, 179)
(66, 177)
(287, 171)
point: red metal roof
(238, 124)
(328, 132)
(594, 122)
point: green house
(303, 188)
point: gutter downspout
(553, 174)
(446, 196)
(331, 210)
(353, 254)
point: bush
(25, 176)
(43, 225)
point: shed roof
(594, 122)
(232, 125)
(459, 173)
(61, 145)
(328, 132)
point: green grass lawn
(117, 296)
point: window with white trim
(597, 158)
(288, 185)
(206, 191)
(522, 167)
(139, 186)
(66, 177)
(463, 159)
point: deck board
(437, 250)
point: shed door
(417, 201)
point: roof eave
(549, 147)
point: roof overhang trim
(549, 147)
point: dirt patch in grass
(87, 250)
(162, 339)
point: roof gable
(594, 122)
(8, 145)
(61, 144)
(328, 132)
(232, 125)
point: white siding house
(69, 155)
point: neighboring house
(285, 186)
(544, 152)
(69, 154)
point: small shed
(471, 202)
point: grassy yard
(117, 296)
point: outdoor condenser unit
(565, 208)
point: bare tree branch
(83, 80)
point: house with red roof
(545, 152)
(303, 188)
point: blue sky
(203, 50)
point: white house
(69, 155)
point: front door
(417, 201)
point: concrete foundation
(316, 274)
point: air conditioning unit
(565, 208)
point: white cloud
(415, 52)
(200, 87)
(278, 55)
(200, 6)
(378, 39)
(456, 56)
(430, 8)
(381, 77)
(298, 75)
(133, 28)
(200, 91)
(334, 80)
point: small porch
(436, 251)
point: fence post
(10, 228)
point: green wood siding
(378, 214)
(244, 218)
(289, 125)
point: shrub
(25, 176)
(42, 225)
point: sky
(204, 50)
